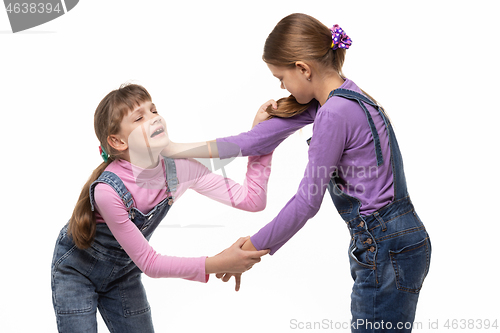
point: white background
(432, 64)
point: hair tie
(103, 153)
(339, 38)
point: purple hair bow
(339, 38)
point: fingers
(237, 278)
(257, 254)
(274, 104)
(237, 260)
(225, 277)
(269, 102)
(261, 253)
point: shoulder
(104, 187)
(183, 164)
(337, 109)
(105, 196)
(342, 108)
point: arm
(264, 137)
(251, 196)
(155, 265)
(325, 151)
(209, 149)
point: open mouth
(159, 130)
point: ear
(303, 69)
(117, 143)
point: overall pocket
(411, 265)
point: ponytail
(82, 225)
(287, 107)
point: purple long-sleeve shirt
(341, 144)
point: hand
(234, 259)
(262, 113)
(247, 246)
(226, 276)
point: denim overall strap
(116, 183)
(400, 189)
(146, 222)
(348, 206)
(363, 99)
(171, 174)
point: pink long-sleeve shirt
(251, 196)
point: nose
(155, 120)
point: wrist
(170, 149)
(212, 265)
(248, 246)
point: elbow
(149, 273)
(309, 209)
(251, 203)
(152, 273)
(312, 211)
(255, 207)
(260, 207)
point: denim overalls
(390, 249)
(103, 276)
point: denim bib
(145, 222)
(103, 276)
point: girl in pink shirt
(100, 254)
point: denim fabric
(390, 249)
(103, 276)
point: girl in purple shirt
(354, 155)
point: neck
(325, 85)
(144, 161)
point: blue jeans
(389, 255)
(103, 276)
(86, 280)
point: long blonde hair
(107, 119)
(300, 37)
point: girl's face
(144, 133)
(295, 80)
